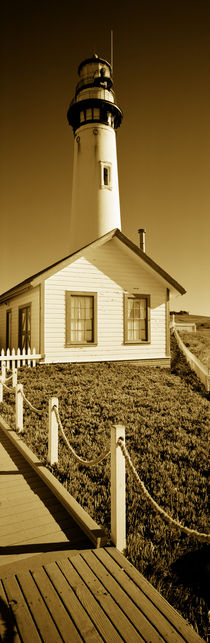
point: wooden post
(14, 377)
(3, 371)
(53, 432)
(19, 407)
(118, 497)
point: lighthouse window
(106, 175)
(109, 118)
(89, 114)
(82, 117)
(96, 113)
(81, 321)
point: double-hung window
(81, 318)
(137, 319)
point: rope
(87, 463)
(8, 378)
(8, 388)
(187, 530)
(33, 408)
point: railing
(12, 358)
(119, 457)
(202, 372)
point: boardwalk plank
(105, 599)
(185, 630)
(8, 629)
(41, 616)
(73, 605)
(19, 608)
(55, 606)
(143, 626)
(88, 601)
(142, 602)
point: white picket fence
(17, 358)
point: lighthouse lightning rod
(112, 35)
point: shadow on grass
(193, 569)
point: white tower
(94, 117)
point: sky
(161, 68)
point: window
(137, 319)
(82, 117)
(106, 175)
(81, 318)
(8, 329)
(96, 114)
(89, 115)
(25, 327)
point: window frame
(148, 308)
(68, 342)
(108, 166)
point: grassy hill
(167, 419)
(201, 321)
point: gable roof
(25, 285)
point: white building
(106, 301)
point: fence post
(118, 497)
(53, 432)
(14, 377)
(19, 407)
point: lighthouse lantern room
(94, 117)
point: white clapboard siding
(110, 272)
(30, 297)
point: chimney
(142, 233)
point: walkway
(53, 585)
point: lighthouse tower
(94, 117)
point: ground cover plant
(199, 344)
(167, 417)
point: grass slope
(167, 416)
(199, 344)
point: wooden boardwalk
(53, 585)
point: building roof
(28, 283)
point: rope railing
(33, 408)
(8, 388)
(86, 463)
(167, 517)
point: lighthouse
(94, 117)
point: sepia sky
(161, 75)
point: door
(25, 328)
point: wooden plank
(72, 604)
(25, 505)
(44, 623)
(55, 606)
(20, 611)
(103, 625)
(32, 525)
(8, 629)
(32, 511)
(108, 604)
(184, 629)
(137, 618)
(143, 603)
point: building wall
(109, 273)
(30, 297)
